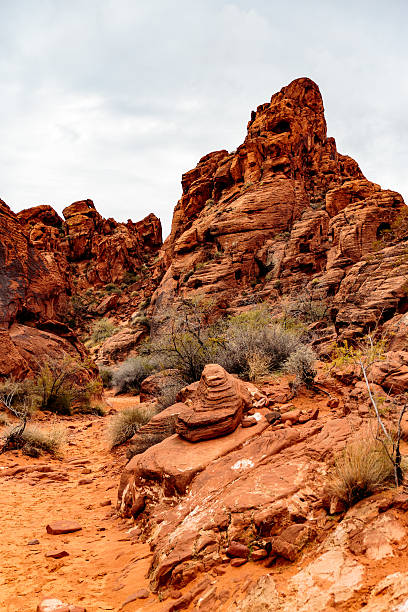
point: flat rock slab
(57, 554)
(59, 527)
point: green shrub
(130, 278)
(126, 423)
(64, 385)
(363, 468)
(131, 373)
(101, 330)
(246, 338)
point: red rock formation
(44, 261)
(217, 408)
(284, 212)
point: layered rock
(217, 408)
(282, 214)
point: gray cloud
(114, 99)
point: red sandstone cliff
(283, 213)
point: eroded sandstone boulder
(217, 408)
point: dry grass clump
(126, 423)
(363, 468)
(35, 441)
(258, 366)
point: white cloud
(114, 99)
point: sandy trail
(105, 564)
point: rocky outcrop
(254, 486)
(45, 260)
(284, 214)
(217, 408)
(33, 292)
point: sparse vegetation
(126, 423)
(35, 441)
(131, 373)
(101, 330)
(302, 363)
(106, 375)
(363, 468)
(63, 385)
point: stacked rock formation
(218, 407)
(286, 213)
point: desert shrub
(239, 343)
(132, 372)
(63, 385)
(101, 330)
(92, 408)
(130, 278)
(363, 468)
(126, 423)
(106, 375)
(302, 363)
(258, 366)
(243, 340)
(139, 318)
(169, 390)
(308, 307)
(33, 440)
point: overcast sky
(114, 99)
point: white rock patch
(243, 464)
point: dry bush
(302, 363)
(169, 390)
(126, 423)
(106, 375)
(131, 373)
(258, 366)
(62, 384)
(33, 440)
(363, 468)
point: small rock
(52, 604)
(273, 416)
(292, 416)
(140, 594)
(333, 402)
(236, 549)
(57, 554)
(85, 481)
(258, 554)
(238, 562)
(174, 594)
(107, 502)
(33, 542)
(248, 422)
(59, 527)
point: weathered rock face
(217, 408)
(45, 260)
(99, 250)
(33, 291)
(285, 212)
(253, 486)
